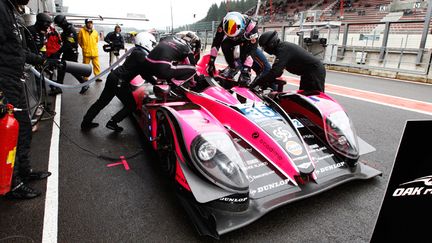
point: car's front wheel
(166, 147)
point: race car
(234, 154)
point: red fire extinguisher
(8, 142)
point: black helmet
(43, 21)
(60, 20)
(268, 41)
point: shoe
(229, 73)
(84, 89)
(35, 175)
(55, 91)
(88, 125)
(113, 126)
(22, 191)
(98, 80)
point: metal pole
(345, 40)
(257, 8)
(424, 33)
(172, 22)
(385, 41)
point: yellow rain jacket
(88, 40)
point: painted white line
(379, 77)
(50, 226)
(377, 102)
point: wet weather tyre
(166, 147)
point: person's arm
(122, 42)
(276, 71)
(80, 38)
(32, 58)
(220, 34)
(107, 38)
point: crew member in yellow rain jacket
(88, 39)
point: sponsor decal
(258, 112)
(233, 200)
(270, 186)
(308, 136)
(315, 148)
(297, 123)
(254, 177)
(300, 158)
(252, 161)
(423, 187)
(255, 135)
(305, 165)
(329, 168)
(294, 148)
(270, 149)
(282, 134)
(316, 159)
(258, 165)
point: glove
(244, 78)
(52, 62)
(211, 66)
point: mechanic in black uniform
(37, 38)
(238, 29)
(14, 54)
(174, 58)
(118, 84)
(69, 49)
(295, 60)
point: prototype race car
(235, 154)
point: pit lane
(97, 203)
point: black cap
(43, 17)
(59, 19)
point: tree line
(216, 13)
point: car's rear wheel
(166, 147)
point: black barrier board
(406, 210)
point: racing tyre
(166, 147)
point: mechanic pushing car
(238, 29)
(295, 60)
(175, 57)
(118, 84)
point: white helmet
(146, 40)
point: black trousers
(314, 79)
(111, 89)
(61, 73)
(13, 90)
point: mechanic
(69, 49)
(238, 29)
(37, 38)
(118, 84)
(174, 58)
(14, 55)
(115, 39)
(295, 60)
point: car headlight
(216, 157)
(341, 135)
